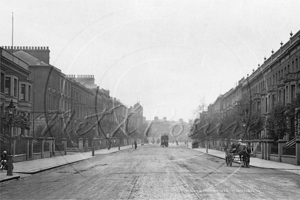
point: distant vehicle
(164, 140)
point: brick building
(54, 100)
(16, 84)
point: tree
(291, 107)
(276, 122)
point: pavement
(26, 168)
(254, 162)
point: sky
(169, 55)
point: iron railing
(290, 151)
(274, 149)
(258, 148)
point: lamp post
(10, 112)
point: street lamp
(10, 112)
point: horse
(243, 150)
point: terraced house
(246, 110)
(57, 105)
(16, 87)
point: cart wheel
(244, 163)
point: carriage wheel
(244, 162)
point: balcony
(292, 77)
(256, 96)
(263, 92)
(272, 88)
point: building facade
(276, 81)
(53, 92)
(16, 86)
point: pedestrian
(3, 161)
(135, 144)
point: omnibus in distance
(164, 140)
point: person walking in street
(135, 144)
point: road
(153, 172)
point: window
(293, 89)
(61, 86)
(279, 96)
(29, 93)
(23, 92)
(15, 87)
(287, 94)
(68, 89)
(65, 88)
(283, 96)
(2, 82)
(7, 85)
(266, 105)
(273, 101)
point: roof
(13, 58)
(29, 58)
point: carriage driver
(240, 141)
(234, 146)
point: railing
(274, 149)
(21, 147)
(258, 148)
(37, 147)
(291, 151)
(59, 147)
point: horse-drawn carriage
(238, 152)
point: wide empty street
(154, 172)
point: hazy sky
(169, 55)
